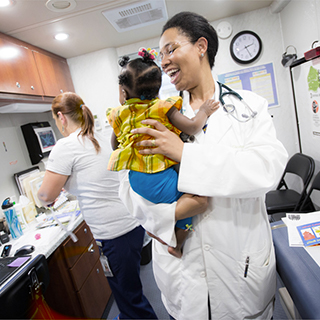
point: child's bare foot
(175, 251)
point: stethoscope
(230, 108)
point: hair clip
(148, 53)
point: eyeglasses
(171, 48)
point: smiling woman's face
(180, 59)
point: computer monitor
(39, 138)
(46, 138)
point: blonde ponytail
(71, 104)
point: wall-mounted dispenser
(39, 138)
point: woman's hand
(165, 142)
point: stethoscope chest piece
(228, 108)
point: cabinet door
(19, 73)
(84, 265)
(95, 293)
(60, 295)
(54, 73)
(74, 250)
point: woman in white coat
(227, 270)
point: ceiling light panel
(61, 36)
(8, 53)
(137, 15)
(6, 3)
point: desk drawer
(81, 269)
(95, 293)
(73, 250)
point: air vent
(137, 16)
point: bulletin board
(306, 88)
(258, 79)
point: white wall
(98, 69)
(95, 78)
(300, 28)
(300, 25)
(268, 26)
(14, 155)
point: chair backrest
(307, 203)
(301, 165)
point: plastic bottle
(28, 208)
(12, 218)
(21, 218)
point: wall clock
(245, 47)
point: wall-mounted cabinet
(31, 70)
(54, 74)
(18, 74)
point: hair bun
(123, 61)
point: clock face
(245, 47)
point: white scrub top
(96, 188)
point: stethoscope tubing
(231, 108)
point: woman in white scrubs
(227, 270)
(78, 163)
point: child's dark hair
(141, 77)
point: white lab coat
(234, 164)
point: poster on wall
(314, 96)
(258, 79)
(306, 88)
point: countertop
(45, 240)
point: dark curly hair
(195, 26)
(141, 76)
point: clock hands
(248, 50)
(246, 47)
